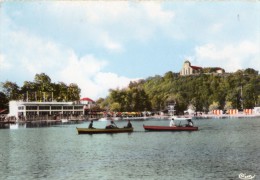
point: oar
(114, 123)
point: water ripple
(221, 149)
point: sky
(102, 45)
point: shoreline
(37, 123)
(212, 116)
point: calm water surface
(221, 149)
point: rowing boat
(99, 131)
(168, 128)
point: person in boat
(190, 123)
(111, 125)
(129, 125)
(90, 126)
(172, 123)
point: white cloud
(87, 73)
(28, 54)
(112, 80)
(231, 57)
(216, 27)
(4, 65)
(122, 21)
(32, 53)
(110, 44)
(156, 14)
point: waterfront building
(27, 110)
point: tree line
(201, 92)
(41, 89)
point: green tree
(250, 71)
(214, 106)
(42, 79)
(3, 101)
(62, 89)
(73, 92)
(43, 83)
(30, 91)
(228, 105)
(11, 90)
(115, 107)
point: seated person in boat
(90, 126)
(111, 125)
(190, 123)
(129, 125)
(172, 124)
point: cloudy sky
(101, 45)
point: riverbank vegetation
(201, 92)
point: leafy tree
(11, 90)
(250, 71)
(3, 101)
(43, 82)
(62, 91)
(42, 79)
(29, 91)
(168, 76)
(214, 106)
(73, 92)
(228, 105)
(133, 98)
(41, 89)
(115, 107)
(100, 101)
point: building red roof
(196, 67)
(218, 68)
(87, 99)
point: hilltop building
(188, 69)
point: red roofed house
(87, 102)
(187, 69)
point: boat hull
(100, 131)
(168, 128)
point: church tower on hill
(188, 69)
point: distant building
(256, 110)
(87, 102)
(188, 69)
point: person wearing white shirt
(172, 124)
(190, 123)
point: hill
(202, 92)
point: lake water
(221, 149)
